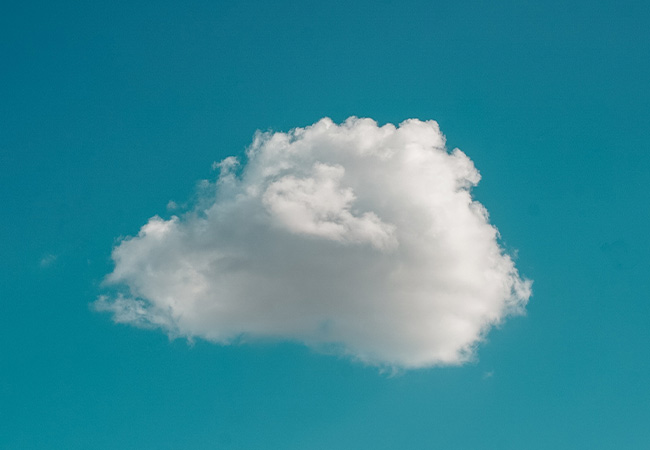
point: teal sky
(109, 110)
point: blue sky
(111, 110)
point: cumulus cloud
(350, 238)
(47, 260)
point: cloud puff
(47, 260)
(352, 238)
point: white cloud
(47, 260)
(352, 238)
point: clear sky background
(109, 110)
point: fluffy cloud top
(352, 238)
